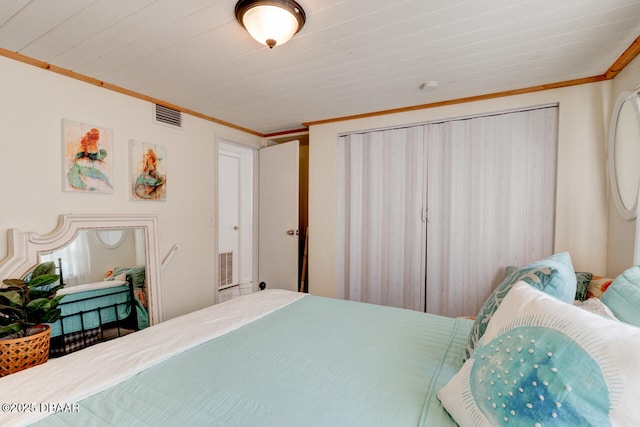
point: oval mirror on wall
(624, 154)
(110, 238)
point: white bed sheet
(69, 379)
(90, 287)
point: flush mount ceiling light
(270, 22)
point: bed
(336, 363)
(531, 357)
(90, 308)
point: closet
(431, 214)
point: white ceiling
(352, 56)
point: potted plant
(26, 306)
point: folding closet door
(430, 215)
(382, 237)
(491, 203)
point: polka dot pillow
(544, 362)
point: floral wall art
(87, 157)
(148, 171)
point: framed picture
(148, 171)
(87, 157)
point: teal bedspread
(314, 362)
(76, 302)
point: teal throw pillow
(623, 296)
(137, 274)
(583, 280)
(553, 275)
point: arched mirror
(131, 247)
(624, 154)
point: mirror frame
(623, 210)
(23, 248)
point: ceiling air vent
(167, 116)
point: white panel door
(229, 220)
(278, 212)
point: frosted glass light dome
(270, 22)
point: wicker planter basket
(22, 353)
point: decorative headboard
(24, 248)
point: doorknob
(293, 232)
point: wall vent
(167, 116)
(225, 270)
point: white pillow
(544, 362)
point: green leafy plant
(27, 304)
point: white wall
(34, 102)
(104, 259)
(621, 232)
(581, 206)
